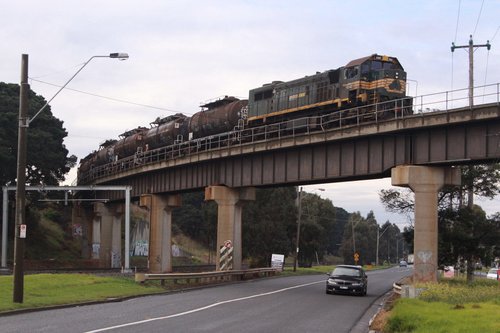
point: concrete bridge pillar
(116, 237)
(425, 182)
(82, 217)
(106, 235)
(229, 202)
(160, 230)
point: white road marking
(202, 308)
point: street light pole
(24, 121)
(378, 239)
(353, 237)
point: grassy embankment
(449, 306)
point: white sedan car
(493, 274)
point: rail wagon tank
(165, 131)
(87, 163)
(106, 153)
(219, 116)
(131, 142)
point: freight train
(373, 86)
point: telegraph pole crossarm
(470, 48)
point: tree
(269, 224)
(364, 240)
(197, 219)
(389, 235)
(317, 228)
(47, 157)
(467, 234)
(461, 224)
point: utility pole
(470, 48)
(21, 185)
(299, 218)
(378, 240)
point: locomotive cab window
(334, 76)
(377, 65)
(351, 72)
(389, 65)
(266, 94)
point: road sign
(356, 257)
(22, 231)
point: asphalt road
(283, 304)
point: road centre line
(202, 308)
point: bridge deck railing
(395, 109)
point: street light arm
(121, 56)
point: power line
(486, 71)
(478, 17)
(112, 98)
(498, 28)
(59, 72)
(458, 19)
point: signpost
(277, 261)
(356, 257)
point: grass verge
(449, 306)
(418, 316)
(41, 290)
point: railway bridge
(422, 151)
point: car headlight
(331, 281)
(357, 284)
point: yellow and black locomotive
(365, 81)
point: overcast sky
(185, 52)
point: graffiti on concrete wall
(140, 235)
(77, 230)
(96, 248)
(141, 248)
(116, 259)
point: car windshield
(346, 271)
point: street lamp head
(119, 55)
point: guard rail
(396, 287)
(233, 275)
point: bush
(457, 291)
(399, 324)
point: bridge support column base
(229, 202)
(160, 230)
(106, 235)
(425, 182)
